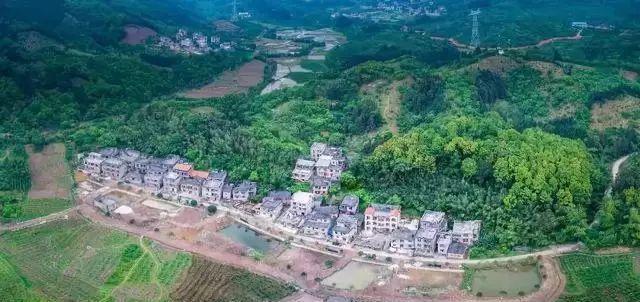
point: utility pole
(475, 32)
(234, 17)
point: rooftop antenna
(475, 32)
(234, 17)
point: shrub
(212, 209)
(193, 203)
(479, 294)
(328, 263)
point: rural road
(459, 44)
(615, 170)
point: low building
(227, 191)
(319, 222)
(156, 169)
(270, 208)
(466, 232)
(105, 204)
(426, 240)
(326, 169)
(170, 161)
(190, 188)
(302, 203)
(433, 220)
(134, 178)
(245, 191)
(303, 170)
(284, 196)
(93, 163)
(219, 175)
(345, 229)
(381, 218)
(199, 175)
(171, 184)
(349, 205)
(320, 185)
(291, 220)
(114, 168)
(153, 182)
(142, 165)
(457, 250)
(402, 241)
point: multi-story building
(444, 240)
(114, 168)
(212, 189)
(302, 203)
(433, 220)
(303, 170)
(245, 191)
(319, 222)
(270, 208)
(199, 175)
(345, 229)
(320, 185)
(93, 163)
(141, 165)
(190, 188)
(227, 191)
(133, 177)
(171, 184)
(326, 169)
(432, 223)
(381, 218)
(402, 241)
(129, 157)
(466, 232)
(153, 182)
(317, 149)
(284, 196)
(349, 205)
(109, 152)
(182, 169)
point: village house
(105, 204)
(444, 240)
(302, 203)
(291, 220)
(227, 191)
(156, 169)
(109, 152)
(320, 185)
(284, 196)
(199, 175)
(457, 250)
(245, 191)
(141, 165)
(170, 161)
(270, 208)
(303, 170)
(349, 205)
(381, 218)
(466, 232)
(129, 157)
(432, 223)
(171, 184)
(133, 177)
(317, 149)
(402, 241)
(182, 169)
(114, 168)
(153, 182)
(345, 229)
(219, 175)
(212, 189)
(325, 168)
(190, 189)
(93, 163)
(320, 221)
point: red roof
(183, 167)
(369, 211)
(199, 174)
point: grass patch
(302, 77)
(314, 65)
(600, 277)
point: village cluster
(196, 43)
(381, 227)
(391, 10)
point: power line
(475, 31)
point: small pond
(506, 281)
(248, 237)
(356, 275)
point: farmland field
(75, 260)
(210, 281)
(600, 277)
(50, 173)
(230, 82)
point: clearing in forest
(50, 173)
(136, 34)
(235, 81)
(615, 113)
(391, 102)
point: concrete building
(134, 178)
(303, 170)
(346, 228)
(320, 185)
(129, 157)
(190, 189)
(466, 232)
(270, 208)
(402, 241)
(319, 222)
(212, 189)
(245, 191)
(444, 241)
(114, 168)
(93, 163)
(302, 203)
(457, 250)
(105, 204)
(349, 205)
(381, 218)
(153, 182)
(171, 184)
(182, 169)
(109, 152)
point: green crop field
(592, 278)
(314, 65)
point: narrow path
(615, 170)
(458, 44)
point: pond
(513, 281)
(248, 237)
(356, 275)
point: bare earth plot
(136, 34)
(230, 82)
(611, 114)
(50, 176)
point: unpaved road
(458, 44)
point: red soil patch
(137, 34)
(235, 81)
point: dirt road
(458, 44)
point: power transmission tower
(475, 32)
(234, 17)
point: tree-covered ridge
(531, 173)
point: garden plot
(50, 174)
